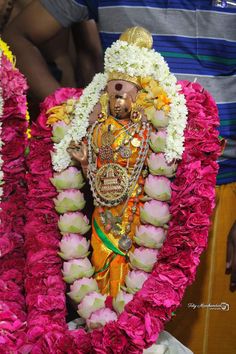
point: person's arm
(33, 26)
(231, 257)
(89, 51)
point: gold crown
(116, 75)
(139, 36)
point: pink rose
(159, 293)
(6, 245)
(133, 327)
(114, 339)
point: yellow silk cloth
(111, 268)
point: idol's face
(120, 105)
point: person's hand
(79, 153)
(231, 257)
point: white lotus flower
(99, 318)
(76, 269)
(80, 288)
(134, 280)
(74, 223)
(158, 187)
(150, 236)
(121, 300)
(143, 259)
(73, 246)
(69, 200)
(70, 178)
(91, 303)
(155, 213)
(158, 166)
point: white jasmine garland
(135, 61)
(80, 122)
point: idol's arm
(79, 153)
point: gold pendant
(125, 152)
(106, 153)
(107, 138)
(111, 183)
(135, 142)
(125, 243)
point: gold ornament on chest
(112, 182)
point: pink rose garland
(192, 202)
(12, 206)
(45, 288)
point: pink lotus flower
(134, 280)
(158, 165)
(68, 179)
(69, 200)
(143, 259)
(158, 141)
(155, 213)
(99, 318)
(80, 288)
(59, 130)
(91, 303)
(150, 236)
(73, 246)
(159, 119)
(158, 187)
(121, 300)
(74, 223)
(76, 269)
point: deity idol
(125, 133)
(114, 159)
(118, 144)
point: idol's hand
(79, 153)
(231, 257)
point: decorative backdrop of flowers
(13, 143)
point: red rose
(83, 340)
(114, 339)
(159, 293)
(133, 326)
